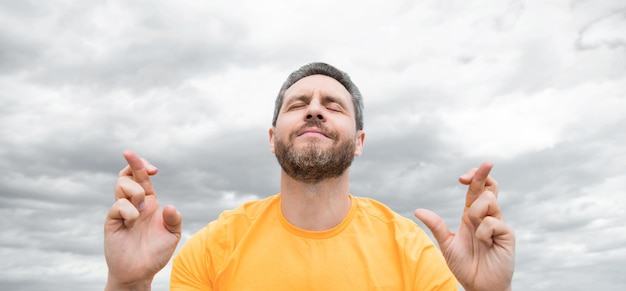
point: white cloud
(517, 123)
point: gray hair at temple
(326, 70)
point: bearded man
(314, 234)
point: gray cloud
(81, 82)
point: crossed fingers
(134, 180)
(479, 181)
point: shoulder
(421, 258)
(231, 223)
(378, 211)
(249, 210)
(207, 249)
(383, 218)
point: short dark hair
(318, 68)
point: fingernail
(142, 205)
(464, 176)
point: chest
(274, 259)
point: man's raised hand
(481, 254)
(139, 236)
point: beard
(312, 163)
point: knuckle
(120, 204)
(131, 189)
(124, 172)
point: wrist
(140, 285)
(508, 288)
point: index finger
(478, 183)
(137, 169)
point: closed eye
(334, 107)
(297, 105)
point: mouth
(312, 131)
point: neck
(315, 206)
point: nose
(318, 116)
(314, 111)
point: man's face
(315, 137)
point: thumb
(173, 220)
(436, 225)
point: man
(314, 235)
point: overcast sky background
(537, 87)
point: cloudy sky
(537, 87)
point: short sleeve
(192, 268)
(427, 264)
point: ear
(360, 142)
(271, 133)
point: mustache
(315, 123)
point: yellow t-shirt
(253, 247)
